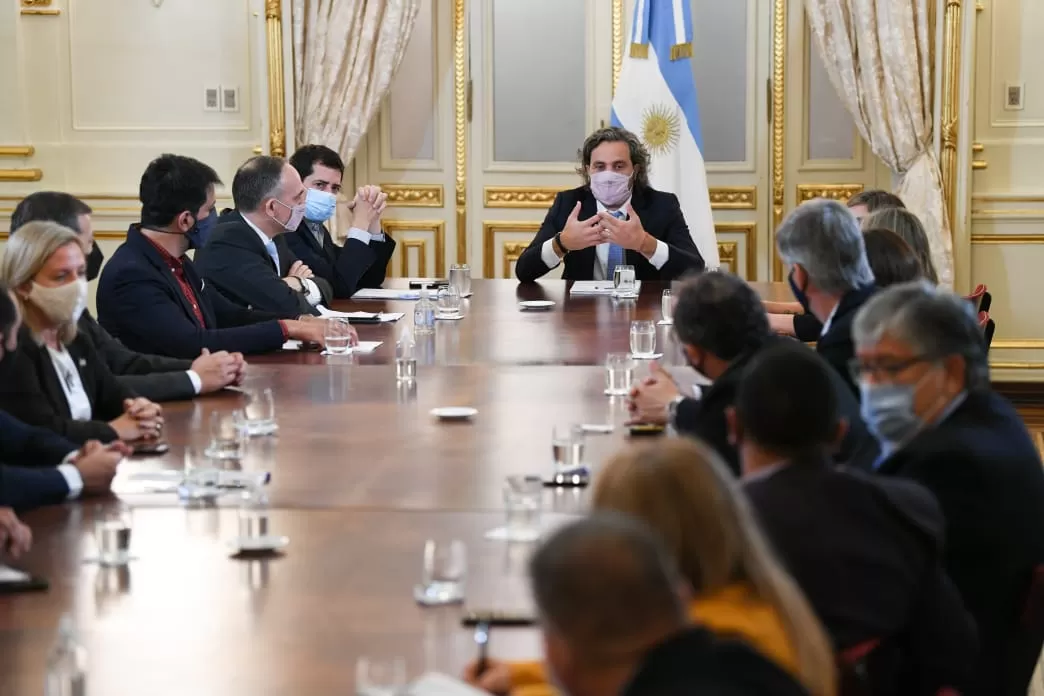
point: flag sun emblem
(661, 127)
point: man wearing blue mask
(363, 260)
(614, 219)
(925, 382)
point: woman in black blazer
(57, 380)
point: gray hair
(256, 181)
(934, 322)
(824, 237)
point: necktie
(271, 248)
(616, 252)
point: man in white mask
(614, 219)
(247, 259)
(363, 260)
(721, 325)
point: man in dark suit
(150, 296)
(925, 378)
(247, 258)
(363, 260)
(614, 219)
(829, 274)
(722, 326)
(154, 377)
(865, 550)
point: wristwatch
(558, 242)
(672, 410)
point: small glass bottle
(253, 513)
(424, 315)
(67, 663)
(405, 357)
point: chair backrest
(988, 332)
(976, 297)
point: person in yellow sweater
(683, 490)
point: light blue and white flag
(656, 100)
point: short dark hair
(876, 199)
(721, 314)
(8, 311)
(171, 185)
(305, 159)
(786, 401)
(891, 259)
(614, 134)
(50, 206)
(603, 581)
(256, 180)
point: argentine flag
(656, 100)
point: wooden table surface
(362, 475)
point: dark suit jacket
(982, 466)
(29, 446)
(704, 418)
(347, 269)
(36, 397)
(836, 344)
(236, 262)
(866, 551)
(141, 304)
(24, 489)
(155, 377)
(661, 216)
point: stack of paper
(383, 317)
(386, 294)
(598, 287)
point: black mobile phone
(26, 584)
(364, 320)
(473, 619)
(645, 430)
(428, 284)
(144, 448)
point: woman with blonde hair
(909, 227)
(58, 380)
(683, 491)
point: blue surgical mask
(799, 294)
(200, 232)
(319, 205)
(888, 411)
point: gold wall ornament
(509, 252)
(460, 109)
(413, 195)
(835, 192)
(985, 239)
(437, 229)
(778, 112)
(618, 40)
(421, 245)
(519, 196)
(951, 107)
(21, 174)
(276, 97)
(491, 229)
(734, 198)
(39, 8)
(17, 150)
(728, 251)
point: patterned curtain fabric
(878, 55)
(345, 54)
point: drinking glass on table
(112, 534)
(619, 374)
(643, 339)
(624, 281)
(523, 501)
(444, 571)
(227, 435)
(460, 278)
(448, 302)
(202, 472)
(338, 336)
(260, 411)
(667, 307)
(567, 447)
(253, 513)
(380, 677)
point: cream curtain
(345, 54)
(877, 53)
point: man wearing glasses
(924, 379)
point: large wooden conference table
(362, 475)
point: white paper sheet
(597, 287)
(383, 317)
(292, 345)
(363, 347)
(386, 294)
(10, 575)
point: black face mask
(95, 259)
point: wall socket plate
(212, 98)
(1014, 96)
(229, 98)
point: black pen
(482, 640)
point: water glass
(112, 534)
(619, 374)
(624, 281)
(227, 435)
(253, 513)
(523, 501)
(460, 278)
(202, 475)
(667, 307)
(643, 339)
(260, 412)
(567, 447)
(380, 677)
(444, 572)
(338, 336)
(448, 302)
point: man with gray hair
(612, 610)
(829, 273)
(246, 257)
(925, 384)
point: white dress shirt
(79, 409)
(550, 258)
(312, 293)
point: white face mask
(63, 304)
(297, 213)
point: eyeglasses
(888, 368)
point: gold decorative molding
(778, 113)
(21, 174)
(728, 250)
(979, 165)
(734, 198)
(1017, 344)
(460, 115)
(489, 232)
(413, 195)
(17, 150)
(728, 256)
(618, 40)
(835, 192)
(1004, 198)
(437, 228)
(1007, 239)
(519, 196)
(276, 98)
(509, 253)
(1016, 366)
(951, 106)
(39, 8)
(421, 245)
